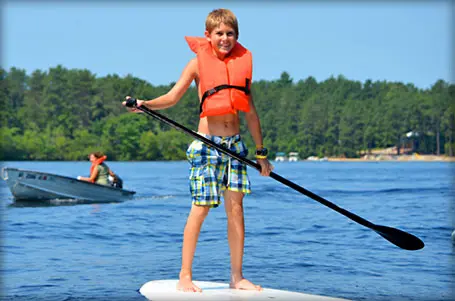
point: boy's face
(222, 38)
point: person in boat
(99, 171)
(222, 71)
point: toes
(190, 289)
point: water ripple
(76, 251)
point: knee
(199, 212)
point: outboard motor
(116, 181)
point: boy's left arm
(254, 126)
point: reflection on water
(55, 202)
(74, 202)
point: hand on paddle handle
(266, 167)
(132, 104)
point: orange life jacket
(225, 84)
(96, 163)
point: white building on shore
(293, 156)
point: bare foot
(186, 285)
(245, 284)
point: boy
(222, 71)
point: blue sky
(406, 41)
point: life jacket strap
(212, 91)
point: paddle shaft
(398, 237)
(273, 175)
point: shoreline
(395, 158)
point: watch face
(262, 152)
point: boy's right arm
(172, 97)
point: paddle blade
(400, 238)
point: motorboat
(293, 157)
(30, 185)
(280, 157)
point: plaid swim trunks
(212, 172)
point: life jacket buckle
(211, 91)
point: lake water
(70, 251)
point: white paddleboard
(158, 290)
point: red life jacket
(225, 84)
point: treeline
(63, 114)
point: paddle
(398, 237)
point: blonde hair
(221, 15)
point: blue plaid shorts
(211, 171)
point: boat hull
(29, 185)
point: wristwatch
(262, 153)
